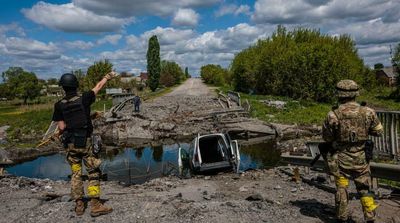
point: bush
(215, 75)
(301, 64)
(171, 73)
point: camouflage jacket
(351, 155)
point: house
(126, 77)
(144, 76)
(387, 76)
(52, 90)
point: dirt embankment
(254, 196)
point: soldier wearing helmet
(347, 128)
(72, 114)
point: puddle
(137, 165)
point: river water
(137, 165)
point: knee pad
(342, 182)
(76, 167)
(368, 203)
(94, 191)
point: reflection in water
(157, 153)
(52, 167)
(139, 153)
(259, 156)
(134, 166)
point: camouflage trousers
(344, 170)
(75, 156)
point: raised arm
(103, 81)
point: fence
(388, 143)
(234, 96)
(118, 98)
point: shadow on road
(314, 208)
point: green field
(30, 122)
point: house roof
(389, 71)
(144, 75)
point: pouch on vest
(352, 125)
(74, 113)
(79, 138)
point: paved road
(191, 87)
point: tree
(81, 79)
(378, 66)
(21, 84)
(301, 64)
(153, 63)
(52, 81)
(187, 75)
(214, 74)
(396, 56)
(5, 91)
(171, 73)
(96, 72)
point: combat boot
(79, 207)
(97, 208)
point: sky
(53, 37)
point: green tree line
(301, 64)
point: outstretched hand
(111, 75)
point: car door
(196, 153)
(235, 155)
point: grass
(31, 121)
(379, 99)
(149, 95)
(306, 112)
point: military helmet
(347, 89)
(68, 80)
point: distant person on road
(347, 128)
(72, 114)
(136, 103)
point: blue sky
(54, 37)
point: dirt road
(191, 87)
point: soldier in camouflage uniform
(72, 115)
(347, 127)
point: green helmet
(347, 89)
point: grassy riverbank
(29, 122)
(306, 112)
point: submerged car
(210, 153)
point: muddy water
(137, 165)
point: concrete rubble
(270, 196)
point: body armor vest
(352, 124)
(74, 113)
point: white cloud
(79, 44)
(232, 9)
(371, 32)
(322, 11)
(186, 17)
(27, 48)
(127, 8)
(111, 39)
(69, 18)
(12, 27)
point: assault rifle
(53, 133)
(324, 148)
